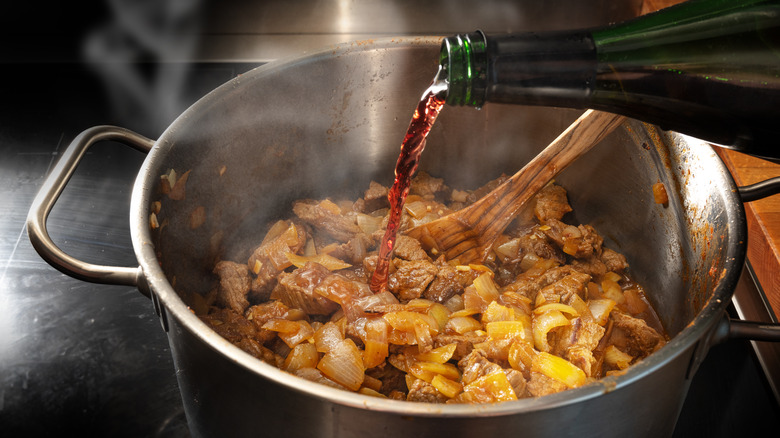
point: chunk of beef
(464, 344)
(296, 289)
(254, 348)
(393, 379)
(475, 365)
(326, 218)
(446, 284)
(591, 265)
(376, 197)
(576, 343)
(410, 278)
(518, 382)
(426, 186)
(354, 251)
(613, 260)
(229, 324)
(234, 284)
(422, 391)
(577, 241)
(262, 313)
(551, 203)
(539, 385)
(408, 248)
(530, 285)
(270, 258)
(641, 339)
(538, 244)
(561, 290)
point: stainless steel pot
(325, 125)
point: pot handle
(753, 330)
(49, 193)
(759, 190)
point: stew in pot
(550, 309)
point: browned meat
(261, 314)
(427, 186)
(270, 258)
(234, 284)
(410, 278)
(476, 365)
(392, 378)
(561, 290)
(254, 348)
(464, 343)
(296, 289)
(517, 381)
(536, 243)
(577, 241)
(338, 226)
(229, 324)
(539, 385)
(376, 197)
(640, 339)
(577, 342)
(590, 265)
(354, 251)
(614, 261)
(422, 391)
(408, 248)
(551, 203)
(445, 285)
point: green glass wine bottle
(707, 68)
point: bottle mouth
(463, 65)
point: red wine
(411, 148)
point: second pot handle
(49, 193)
(760, 190)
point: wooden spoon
(468, 234)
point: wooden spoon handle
(491, 214)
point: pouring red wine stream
(412, 146)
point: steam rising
(143, 54)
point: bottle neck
(551, 68)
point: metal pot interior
(327, 124)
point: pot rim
(698, 329)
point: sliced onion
(521, 355)
(328, 261)
(462, 325)
(328, 336)
(376, 343)
(542, 325)
(612, 290)
(303, 355)
(448, 387)
(600, 309)
(486, 287)
(439, 355)
(563, 308)
(616, 358)
(494, 387)
(343, 364)
(559, 369)
(497, 312)
(506, 329)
